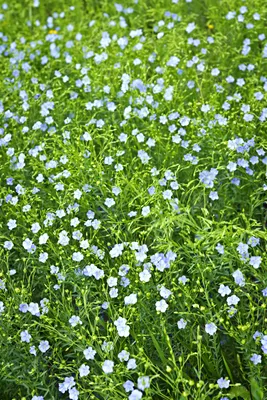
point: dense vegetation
(133, 184)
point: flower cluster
(132, 201)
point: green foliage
(137, 199)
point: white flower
(77, 256)
(68, 383)
(161, 306)
(84, 370)
(12, 223)
(25, 336)
(75, 320)
(74, 393)
(211, 328)
(190, 27)
(117, 250)
(181, 324)
(131, 364)
(145, 276)
(74, 222)
(135, 395)
(165, 293)
(124, 355)
(43, 257)
(84, 244)
(33, 350)
(122, 328)
(112, 281)
(89, 353)
(107, 366)
(173, 61)
(233, 300)
(109, 202)
(35, 227)
(131, 299)
(128, 386)
(224, 290)
(144, 157)
(205, 108)
(33, 308)
(63, 238)
(2, 307)
(44, 346)
(223, 383)
(145, 211)
(43, 238)
(167, 194)
(27, 244)
(113, 293)
(143, 382)
(77, 194)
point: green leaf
(227, 367)
(256, 390)
(239, 391)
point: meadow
(133, 207)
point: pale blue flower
(44, 346)
(256, 359)
(223, 383)
(211, 328)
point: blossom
(145, 211)
(211, 328)
(28, 244)
(84, 370)
(33, 308)
(2, 307)
(213, 196)
(239, 278)
(12, 223)
(255, 261)
(68, 383)
(25, 336)
(122, 328)
(131, 364)
(165, 293)
(124, 355)
(205, 108)
(108, 366)
(181, 324)
(117, 250)
(145, 276)
(73, 393)
(256, 359)
(224, 290)
(223, 383)
(190, 27)
(233, 300)
(43, 238)
(135, 395)
(33, 350)
(131, 299)
(44, 346)
(43, 257)
(109, 202)
(75, 320)
(77, 256)
(89, 353)
(128, 386)
(173, 61)
(161, 306)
